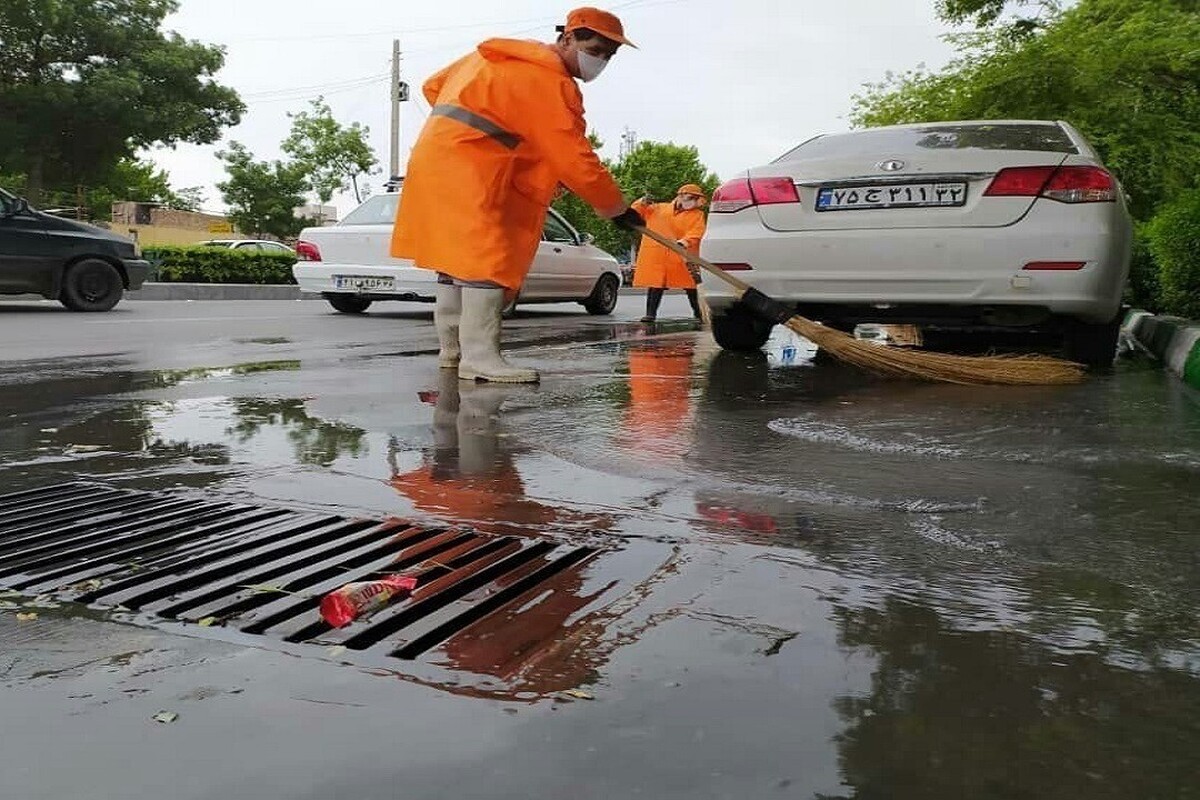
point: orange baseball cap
(690, 188)
(602, 22)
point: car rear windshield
(377, 210)
(1046, 137)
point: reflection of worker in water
(658, 420)
(470, 474)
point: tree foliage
(988, 13)
(654, 169)
(1174, 242)
(126, 179)
(263, 195)
(84, 84)
(1126, 72)
(333, 156)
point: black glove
(629, 220)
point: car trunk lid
(931, 176)
(363, 237)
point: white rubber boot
(446, 315)
(479, 335)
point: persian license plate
(365, 283)
(902, 195)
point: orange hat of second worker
(595, 19)
(691, 188)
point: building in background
(153, 224)
(320, 215)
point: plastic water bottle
(344, 605)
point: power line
(366, 84)
(435, 29)
(267, 93)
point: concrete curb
(1173, 340)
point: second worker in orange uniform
(657, 268)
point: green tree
(126, 179)
(1126, 72)
(262, 195)
(85, 83)
(654, 169)
(334, 156)
(991, 13)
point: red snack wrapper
(345, 604)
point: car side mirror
(19, 206)
(587, 239)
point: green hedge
(218, 265)
(1173, 238)
(1143, 290)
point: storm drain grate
(262, 570)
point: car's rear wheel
(347, 303)
(1093, 344)
(603, 298)
(740, 330)
(91, 285)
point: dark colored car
(84, 267)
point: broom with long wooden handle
(1027, 370)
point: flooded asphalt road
(809, 583)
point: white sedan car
(250, 246)
(349, 265)
(952, 226)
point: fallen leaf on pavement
(207, 622)
(27, 616)
(579, 694)
(165, 717)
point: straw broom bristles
(925, 365)
(1017, 370)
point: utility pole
(395, 98)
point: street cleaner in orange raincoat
(657, 268)
(507, 128)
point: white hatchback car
(349, 265)
(952, 226)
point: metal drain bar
(263, 570)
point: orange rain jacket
(507, 128)
(657, 267)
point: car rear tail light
(1019, 182)
(742, 193)
(307, 251)
(1061, 266)
(1074, 184)
(1081, 185)
(735, 267)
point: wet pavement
(807, 582)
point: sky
(742, 80)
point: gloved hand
(629, 220)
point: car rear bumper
(933, 268)
(409, 283)
(136, 271)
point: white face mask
(688, 205)
(590, 66)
